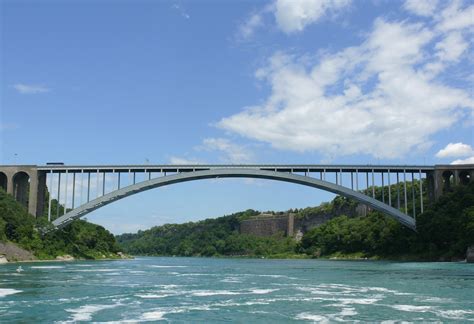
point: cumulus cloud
(469, 160)
(231, 152)
(293, 16)
(421, 7)
(381, 98)
(30, 88)
(455, 150)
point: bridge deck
(268, 167)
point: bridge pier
(26, 184)
(445, 177)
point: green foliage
(79, 239)
(445, 230)
(210, 237)
(371, 235)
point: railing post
(50, 194)
(413, 194)
(421, 193)
(389, 189)
(73, 188)
(405, 190)
(59, 194)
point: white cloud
(247, 29)
(421, 7)
(469, 160)
(380, 98)
(451, 47)
(182, 161)
(455, 17)
(232, 153)
(30, 88)
(455, 150)
(181, 11)
(293, 16)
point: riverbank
(12, 253)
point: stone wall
(289, 225)
(268, 225)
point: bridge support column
(27, 185)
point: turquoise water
(236, 290)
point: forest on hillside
(80, 239)
(445, 230)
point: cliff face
(318, 216)
(296, 224)
(268, 225)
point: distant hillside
(80, 239)
(445, 231)
(221, 236)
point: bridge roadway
(67, 183)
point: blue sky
(310, 81)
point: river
(236, 290)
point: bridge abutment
(22, 182)
(446, 177)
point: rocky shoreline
(12, 253)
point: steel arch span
(233, 173)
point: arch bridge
(83, 189)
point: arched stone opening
(3, 181)
(448, 180)
(464, 177)
(21, 188)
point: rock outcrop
(65, 257)
(13, 252)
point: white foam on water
(262, 291)
(316, 291)
(360, 301)
(390, 291)
(168, 286)
(95, 270)
(83, 265)
(203, 293)
(312, 317)
(196, 274)
(84, 313)
(458, 314)
(413, 308)
(151, 296)
(278, 276)
(434, 300)
(231, 280)
(137, 271)
(348, 311)
(47, 267)
(8, 291)
(168, 266)
(153, 316)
